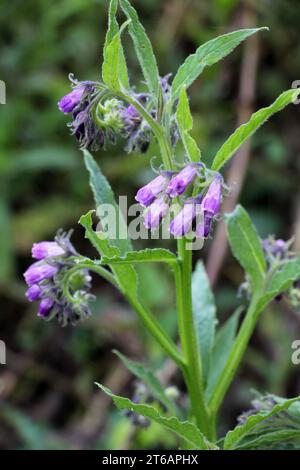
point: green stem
(193, 370)
(146, 317)
(156, 330)
(235, 356)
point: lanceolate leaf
(207, 54)
(149, 379)
(246, 246)
(114, 62)
(156, 255)
(245, 131)
(185, 124)
(268, 440)
(223, 343)
(237, 434)
(103, 194)
(204, 311)
(143, 49)
(184, 429)
(126, 276)
(281, 281)
(112, 68)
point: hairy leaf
(103, 194)
(156, 255)
(147, 376)
(114, 69)
(223, 343)
(184, 429)
(185, 124)
(208, 54)
(246, 246)
(237, 434)
(143, 48)
(204, 311)
(246, 130)
(281, 281)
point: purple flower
(44, 250)
(146, 195)
(210, 207)
(45, 307)
(179, 183)
(33, 293)
(72, 99)
(275, 247)
(37, 272)
(156, 211)
(212, 200)
(182, 223)
(45, 278)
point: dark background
(47, 392)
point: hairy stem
(193, 370)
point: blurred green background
(47, 393)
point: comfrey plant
(59, 279)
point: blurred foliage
(47, 388)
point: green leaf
(185, 124)
(233, 437)
(114, 68)
(204, 311)
(103, 194)
(184, 429)
(149, 379)
(126, 276)
(156, 255)
(281, 281)
(267, 440)
(223, 343)
(113, 72)
(246, 246)
(206, 55)
(143, 49)
(246, 130)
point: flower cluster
(45, 280)
(158, 195)
(277, 252)
(98, 118)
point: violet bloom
(45, 307)
(146, 195)
(44, 250)
(156, 211)
(38, 272)
(212, 199)
(203, 226)
(34, 293)
(71, 100)
(45, 278)
(179, 183)
(182, 223)
(275, 247)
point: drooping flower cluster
(158, 195)
(45, 279)
(98, 118)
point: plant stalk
(193, 370)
